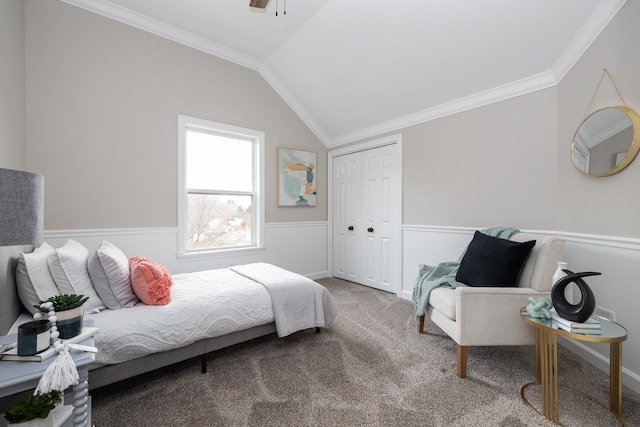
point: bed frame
(109, 374)
(14, 187)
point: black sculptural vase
(581, 311)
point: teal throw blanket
(444, 274)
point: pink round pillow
(151, 281)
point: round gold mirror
(606, 141)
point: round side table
(547, 363)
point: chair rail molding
(160, 244)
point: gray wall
(12, 85)
(103, 101)
(587, 204)
(605, 206)
(494, 165)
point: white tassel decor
(60, 375)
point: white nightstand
(16, 377)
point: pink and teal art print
(296, 177)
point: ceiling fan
(258, 3)
(261, 4)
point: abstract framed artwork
(296, 177)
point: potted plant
(69, 311)
(36, 410)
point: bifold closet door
(364, 220)
(347, 231)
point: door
(365, 219)
(347, 231)
(378, 172)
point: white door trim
(387, 140)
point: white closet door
(378, 173)
(346, 210)
(365, 223)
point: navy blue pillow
(493, 262)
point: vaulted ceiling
(352, 69)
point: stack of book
(590, 327)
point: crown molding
(277, 85)
(588, 34)
(501, 93)
(153, 26)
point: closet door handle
(370, 229)
(351, 228)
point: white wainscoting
(617, 289)
(302, 247)
(296, 246)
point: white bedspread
(203, 305)
(298, 302)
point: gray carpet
(370, 368)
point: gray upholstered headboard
(10, 305)
(21, 229)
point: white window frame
(258, 209)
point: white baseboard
(629, 378)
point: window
(220, 188)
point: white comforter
(203, 305)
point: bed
(208, 310)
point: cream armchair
(488, 316)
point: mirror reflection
(604, 143)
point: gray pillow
(109, 272)
(34, 280)
(68, 266)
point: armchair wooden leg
(421, 324)
(463, 353)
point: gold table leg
(547, 373)
(547, 378)
(615, 379)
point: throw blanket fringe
(444, 274)
(298, 302)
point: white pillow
(34, 280)
(68, 266)
(109, 272)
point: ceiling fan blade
(258, 3)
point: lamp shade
(21, 208)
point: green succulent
(35, 406)
(64, 302)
